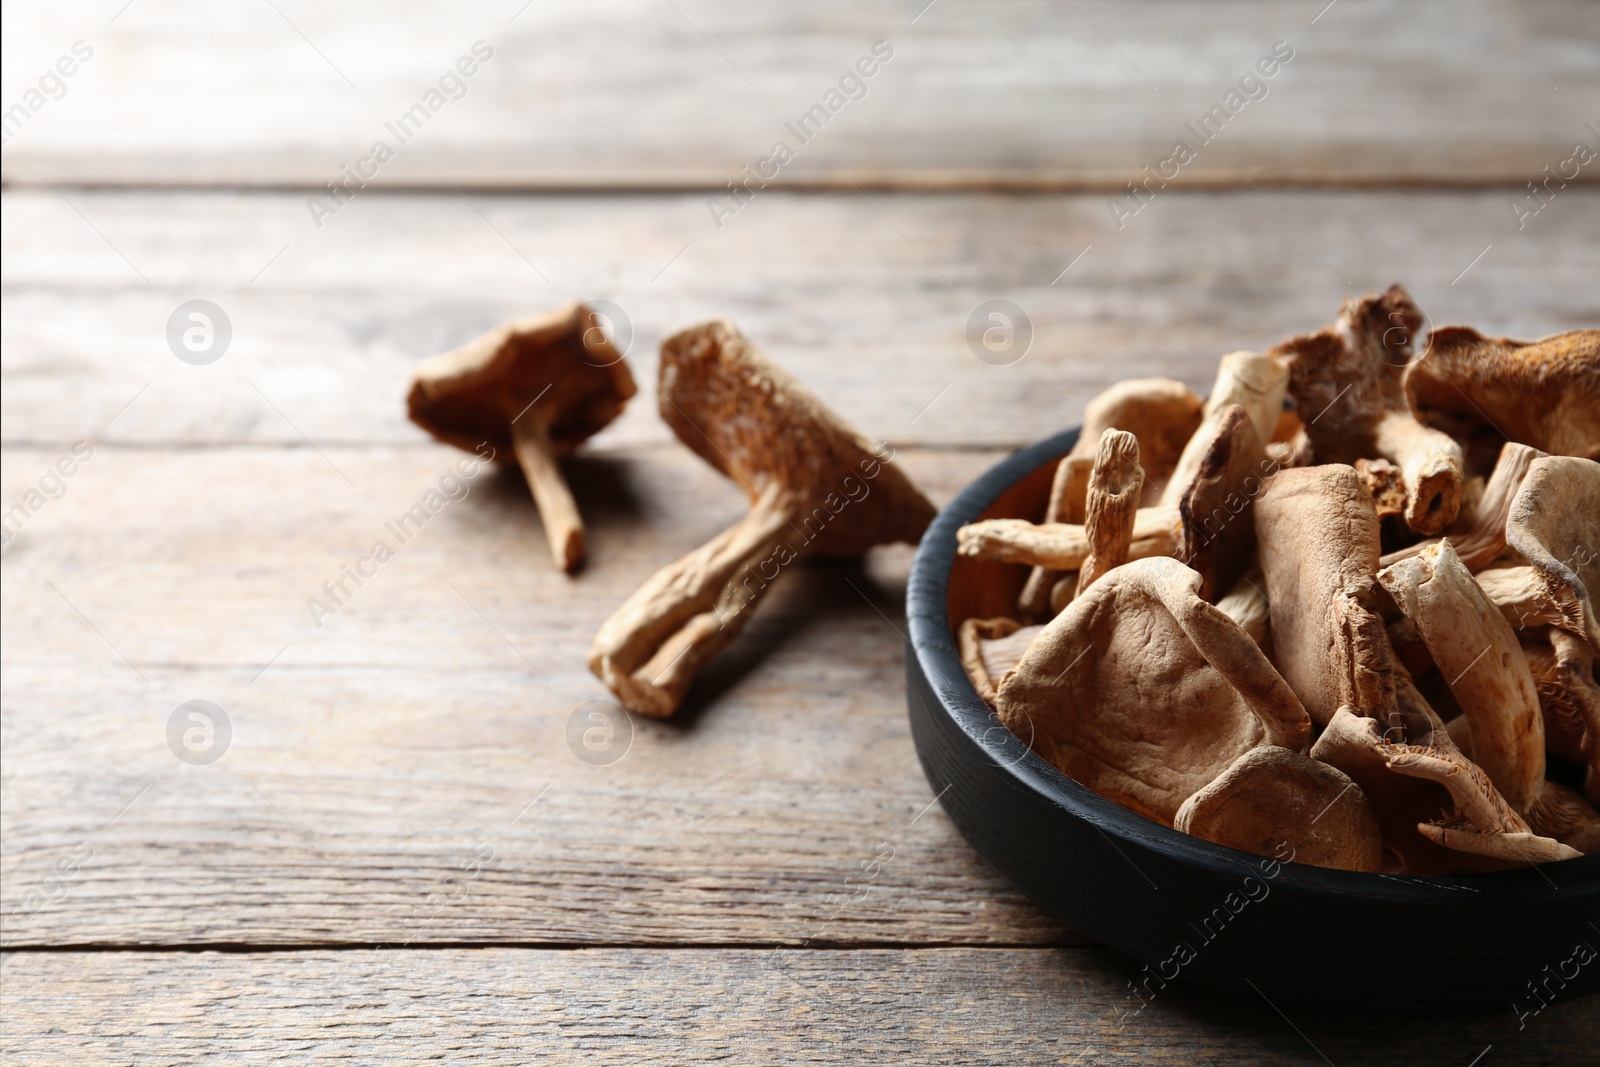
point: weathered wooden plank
(505, 1006)
(636, 93)
(373, 756)
(867, 302)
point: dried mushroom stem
(1113, 502)
(1064, 547)
(648, 651)
(1430, 462)
(1069, 490)
(1479, 535)
(536, 455)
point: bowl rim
(933, 645)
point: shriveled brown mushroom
(1384, 482)
(1215, 502)
(1543, 393)
(1254, 382)
(815, 487)
(1478, 654)
(989, 648)
(1318, 535)
(1110, 505)
(535, 388)
(1479, 532)
(1145, 693)
(1528, 599)
(1069, 494)
(1246, 604)
(1062, 547)
(1555, 524)
(1271, 797)
(1163, 414)
(1439, 812)
(1346, 381)
(1563, 667)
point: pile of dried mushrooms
(1346, 604)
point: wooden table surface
(399, 857)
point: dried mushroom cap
(1555, 524)
(1478, 654)
(815, 486)
(1063, 547)
(1069, 495)
(1479, 532)
(971, 638)
(1110, 505)
(1143, 692)
(1219, 538)
(1250, 380)
(1439, 812)
(1318, 537)
(1346, 381)
(1271, 796)
(1163, 414)
(535, 388)
(1542, 393)
(1527, 599)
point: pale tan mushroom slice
(1143, 692)
(1563, 668)
(1110, 506)
(534, 389)
(1479, 532)
(1215, 505)
(815, 487)
(991, 647)
(1528, 600)
(1543, 393)
(1161, 413)
(1555, 525)
(1272, 797)
(1346, 381)
(1246, 604)
(1069, 494)
(1254, 382)
(1317, 532)
(1439, 812)
(1062, 546)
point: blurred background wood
(400, 775)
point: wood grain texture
(867, 302)
(372, 756)
(642, 94)
(513, 1006)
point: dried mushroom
(1110, 505)
(1069, 495)
(1347, 383)
(536, 388)
(1215, 504)
(1145, 693)
(1161, 413)
(1478, 654)
(1542, 393)
(1063, 547)
(1563, 667)
(1555, 524)
(991, 647)
(1479, 532)
(815, 487)
(1271, 797)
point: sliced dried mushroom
(1061, 546)
(1439, 812)
(1255, 383)
(991, 647)
(535, 388)
(1110, 506)
(1346, 381)
(1069, 494)
(1270, 797)
(1246, 604)
(1527, 599)
(1479, 532)
(1163, 414)
(1145, 693)
(1318, 536)
(815, 487)
(1215, 505)
(1555, 524)
(1543, 393)
(1563, 668)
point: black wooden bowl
(1189, 910)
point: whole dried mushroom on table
(1345, 605)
